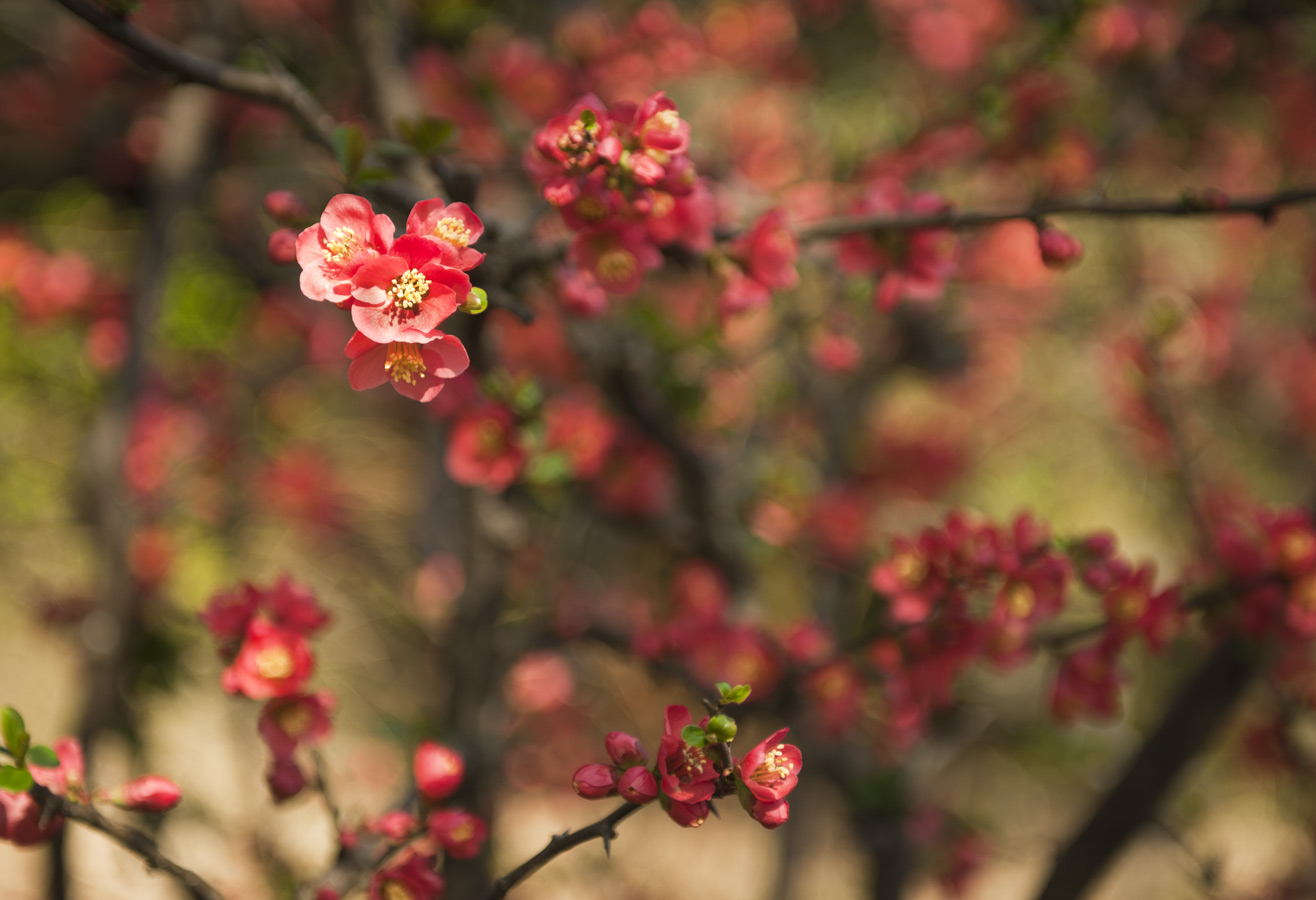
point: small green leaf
(14, 779)
(14, 731)
(41, 755)
(477, 301)
(349, 149)
(588, 118)
(694, 736)
(738, 694)
(723, 688)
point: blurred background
(176, 420)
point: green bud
(477, 301)
(722, 728)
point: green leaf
(349, 149)
(723, 688)
(14, 779)
(694, 736)
(588, 118)
(41, 755)
(14, 731)
(548, 468)
(738, 694)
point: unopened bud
(285, 207)
(282, 248)
(637, 785)
(477, 301)
(722, 727)
(594, 781)
(439, 770)
(1059, 249)
(624, 750)
(150, 793)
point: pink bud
(637, 785)
(770, 813)
(282, 248)
(594, 781)
(150, 793)
(286, 207)
(438, 769)
(1059, 249)
(688, 815)
(285, 779)
(625, 750)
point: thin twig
(130, 839)
(604, 829)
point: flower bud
(1059, 249)
(285, 779)
(722, 727)
(594, 781)
(282, 248)
(477, 301)
(286, 207)
(770, 813)
(150, 793)
(637, 785)
(438, 769)
(624, 750)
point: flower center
(1295, 547)
(409, 289)
(342, 246)
(616, 265)
(1020, 600)
(396, 890)
(295, 720)
(274, 663)
(577, 142)
(1127, 606)
(690, 764)
(463, 832)
(591, 209)
(775, 766)
(404, 362)
(909, 569)
(454, 231)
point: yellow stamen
(274, 663)
(616, 265)
(1020, 600)
(454, 231)
(295, 720)
(396, 890)
(342, 246)
(404, 362)
(409, 289)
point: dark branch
(604, 829)
(1264, 207)
(130, 839)
(277, 87)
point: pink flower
(21, 820)
(576, 426)
(282, 247)
(273, 662)
(285, 207)
(438, 769)
(580, 292)
(740, 293)
(770, 770)
(293, 606)
(453, 225)
(660, 128)
(571, 142)
(287, 723)
(484, 449)
(617, 256)
(409, 289)
(460, 833)
(687, 815)
(687, 774)
(348, 236)
(418, 365)
(228, 613)
(396, 825)
(413, 879)
(625, 750)
(769, 813)
(769, 251)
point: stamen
(404, 362)
(274, 663)
(341, 246)
(454, 231)
(616, 265)
(409, 289)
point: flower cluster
(262, 635)
(398, 291)
(694, 767)
(624, 183)
(459, 834)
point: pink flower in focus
(687, 775)
(348, 236)
(770, 770)
(769, 813)
(417, 365)
(409, 289)
(453, 224)
(687, 815)
(625, 750)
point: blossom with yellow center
(616, 266)
(454, 231)
(342, 246)
(274, 663)
(409, 289)
(404, 362)
(1020, 599)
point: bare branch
(604, 829)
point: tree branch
(1264, 206)
(604, 829)
(130, 839)
(276, 87)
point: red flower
(687, 815)
(687, 774)
(460, 833)
(273, 662)
(293, 606)
(769, 250)
(414, 879)
(637, 785)
(21, 820)
(578, 428)
(438, 769)
(617, 256)
(769, 813)
(409, 289)
(770, 770)
(348, 236)
(452, 225)
(286, 723)
(418, 365)
(484, 449)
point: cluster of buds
(624, 183)
(695, 766)
(26, 822)
(262, 635)
(412, 850)
(398, 291)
